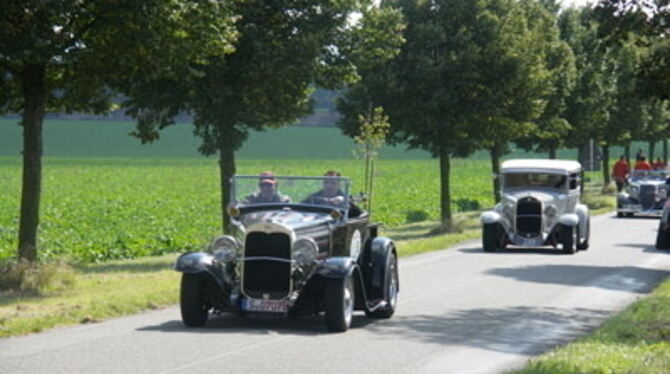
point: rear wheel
(662, 239)
(391, 293)
(490, 237)
(194, 309)
(568, 239)
(339, 303)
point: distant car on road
(645, 194)
(539, 206)
(303, 253)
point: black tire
(619, 214)
(662, 239)
(584, 243)
(339, 303)
(568, 239)
(490, 237)
(194, 309)
(392, 285)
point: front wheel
(584, 244)
(568, 240)
(490, 237)
(339, 303)
(392, 288)
(194, 309)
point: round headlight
(305, 251)
(225, 248)
(550, 210)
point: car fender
(569, 219)
(378, 252)
(337, 267)
(201, 262)
(490, 217)
(622, 198)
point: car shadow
(231, 323)
(528, 330)
(632, 279)
(515, 250)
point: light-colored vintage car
(645, 194)
(539, 206)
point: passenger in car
(331, 194)
(267, 191)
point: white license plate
(633, 207)
(273, 306)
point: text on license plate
(276, 306)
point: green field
(106, 196)
(98, 209)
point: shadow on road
(627, 277)
(230, 323)
(516, 250)
(511, 330)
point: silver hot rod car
(539, 206)
(645, 194)
(298, 246)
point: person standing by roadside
(642, 164)
(659, 164)
(620, 173)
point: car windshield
(534, 180)
(651, 175)
(263, 190)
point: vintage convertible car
(539, 206)
(302, 253)
(646, 193)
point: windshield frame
(564, 188)
(345, 187)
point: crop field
(99, 209)
(106, 196)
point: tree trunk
(445, 195)
(665, 151)
(606, 165)
(626, 153)
(34, 95)
(552, 153)
(227, 168)
(495, 169)
(652, 148)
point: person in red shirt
(620, 173)
(659, 164)
(642, 164)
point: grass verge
(635, 341)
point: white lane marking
(229, 353)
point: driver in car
(331, 194)
(267, 191)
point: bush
(465, 204)
(416, 216)
(29, 277)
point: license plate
(272, 306)
(633, 207)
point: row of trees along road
(453, 76)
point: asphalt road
(460, 311)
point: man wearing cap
(331, 194)
(267, 191)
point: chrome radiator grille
(267, 276)
(529, 217)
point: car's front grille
(529, 217)
(269, 275)
(647, 196)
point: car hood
(288, 218)
(647, 182)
